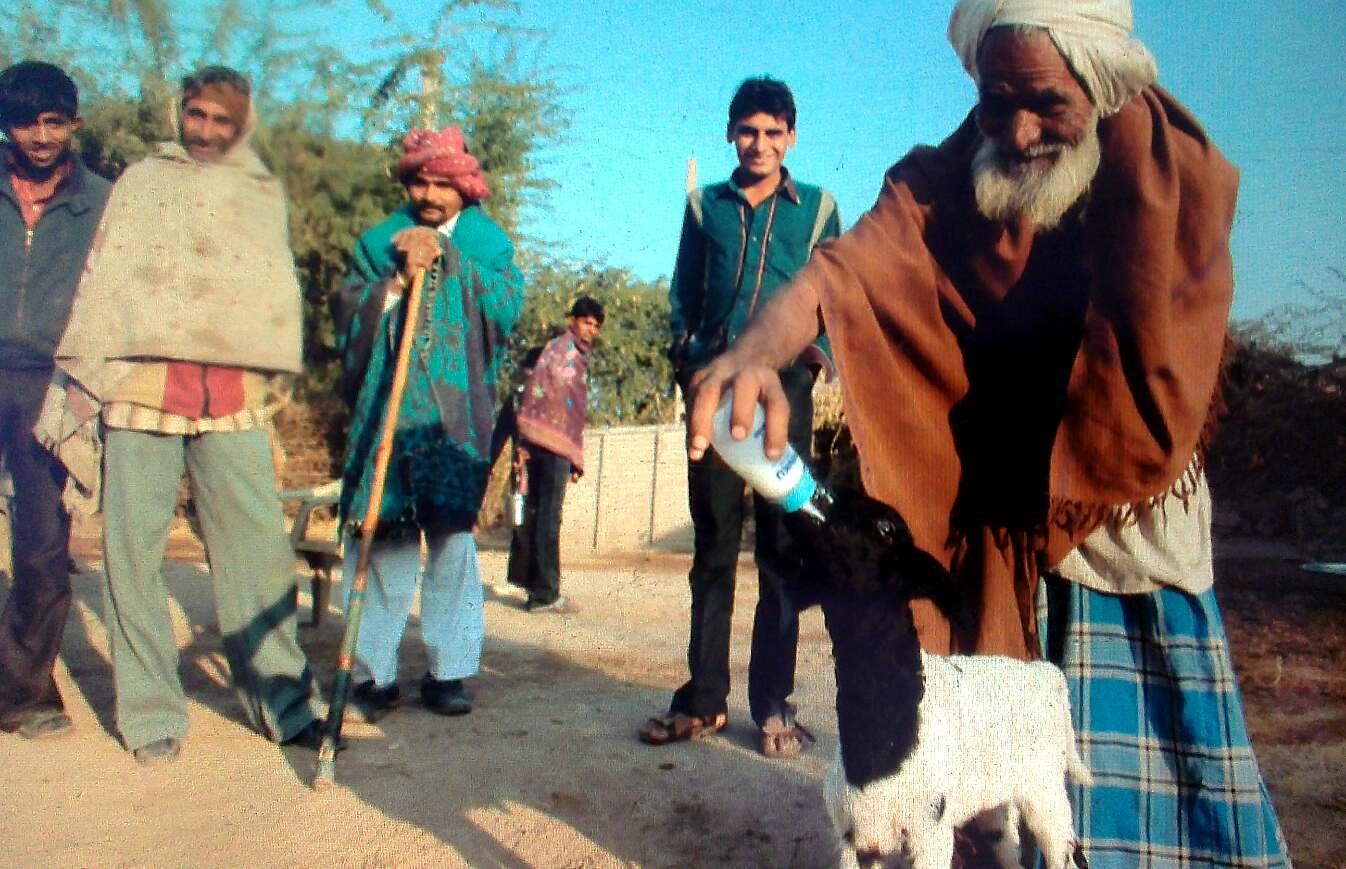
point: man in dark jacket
(49, 207)
(742, 240)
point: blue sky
(648, 84)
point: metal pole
(325, 775)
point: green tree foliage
(118, 132)
(125, 48)
(508, 115)
(630, 377)
(109, 47)
(330, 125)
(336, 189)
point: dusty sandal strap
(663, 729)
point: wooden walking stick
(325, 776)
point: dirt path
(547, 772)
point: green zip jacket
(733, 257)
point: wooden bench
(321, 554)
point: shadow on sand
(545, 771)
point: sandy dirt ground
(547, 771)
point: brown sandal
(663, 729)
(783, 736)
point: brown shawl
(1009, 392)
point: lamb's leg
(1048, 817)
(1000, 826)
(834, 798)
(846, 858)
(934, 850)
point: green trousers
(251, 569)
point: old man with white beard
(1029, 326)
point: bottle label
(801, 493)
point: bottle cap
(800, 494)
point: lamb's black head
(864, 547)
(860, 544)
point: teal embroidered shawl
(471, 301)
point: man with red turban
(440, 461)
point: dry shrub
(1279, 458)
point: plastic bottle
(518, 498)
(786, 482)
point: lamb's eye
(885, 529)
(849, 836)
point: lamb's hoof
(45, 725)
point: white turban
(1094, 36)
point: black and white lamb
(929, 743)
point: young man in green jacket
(743, 239)
(49, 208)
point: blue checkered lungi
(1160, 725)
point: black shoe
(311, 737)
(561, 605)
(44, 724)
(159, 752)
(56, 724)
(445, 697)
(368, 702)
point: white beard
(1006, 192)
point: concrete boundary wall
(633, 495)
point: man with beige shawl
(187, 314)
(1029, 326)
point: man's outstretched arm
(779, 331)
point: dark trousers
(716, 499)
(39, 599)
(535, 551)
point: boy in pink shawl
(550, 450)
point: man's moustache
(1010, 159)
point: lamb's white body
(995, 740)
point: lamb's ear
(924, 576)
